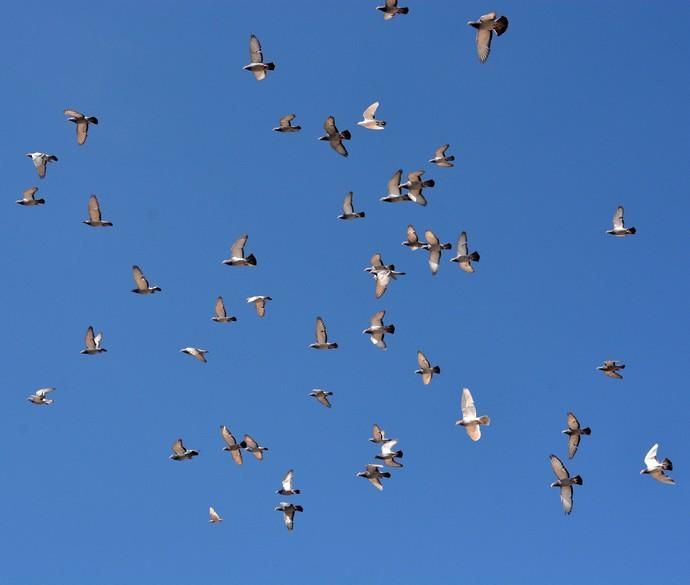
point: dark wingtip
(335, 346)
(298, 491)
(390, 329)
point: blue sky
(581, 107)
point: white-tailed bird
(251, 446)
(213, 516)
(41, 160)
(231, 444)
(287, 489)
(378, 330)
(284, 124)
(415, 186)
(322, 396)
(435, 248)
(94, 211)
(142, 284)
(39, 397)
(322, 337)
(374, 474)
(610, 369)
(237, 257)
(180, 452)
(564, 482)
(256, 60)
(370, 122)
(391, 9)
(92, 343)
(349, 210)
(28, 198)
(288, 511)
(619, 228)
(470, 420)
(260, 303)
(574, 432)
(196, 353)
(388, 454)
(395, 195)
(378, 435)
(656, 469)
(221, 314)
(426, 370)
(462, 255)
(83, 122)
(335, 138)
(440, 159)
(486, 25)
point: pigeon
(486, 25)
(334, 137)
(213, 516)
(377, 330)
(232, 445)
(610, 369)
(656, 469)
(322, 337)
(287, 489)
(619, 228)
(288, 511)
(395, 195)
(39, 397)
(388, 454)
(574, 433)
(253, 447)
(435, 247)
(391, 9)
(284, 124)
(440, 159)
(412, 242)
(322, 396)
(83, 122)
(382, 274)
(462, 255)
(425, 369)
(195, 352)
(256, 60)
(378, 435)
(415, 185)
(374, 474)
(29, 199)
(565, 482)
(143, 287)
(237, 257)
(180, 452)
(41, 160)
(469, 419)
(221, 313)
(348, 209)
(260, 303)
(370, 122)
(95, 214)
(92, 344)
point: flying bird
(370, 122)
(486, 25)
(231, 444)
(378, 330)
(41, 160)
(334, 137)
(260, 303)
(610, 369)
(656, 469)
(83, 122)
(196, 353)
(349, 210)
(213, 516)
(374, 474)
(288, 511)
(251, 446)
(322, 396)
(378, 435)
(322, 337)
(425, 368)
(435, 247)
(39, 397)
(29, 199)
(94, 211)
(256, 60)
(382, 274)
(574, 432)
(221, 314)
(415, 185)
(391, 9)
(284, 124)
(440, 159)
(619, 228)
(412, 240)
(92, 343)
(395, 195)
(462, 255)
(287, 489)
(564, 482)
(388, 454)
(180, 452)
(470, 420)
(142, 284)
(237, 257)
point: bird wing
(289, 516)
(329, 126)
(42, 392)
(347, 204)
(376, 261)
(89, 341)
(388, 447)
(284, 122)
(40, 164)
(650, 459)
(237, 456)
(501, 25)
(613, 374)
(82, 131)
(97, 339)
(213, 515)
(558, 467)
(434, 259)
(441, 151)
(376, 482)
(423, 361)
(469, 411)
(391, 3)
(94, 209)
(237, 249)
(377, 319)
(221, 313)
(474, 431)
(383, 278)
(255, 54)
(287, 480)
(573, 444)
(339, 147)
(139, 278)
(260, 306)
(228, 437)
(412, 237)
(618, 219)
(178, 447)
(431, 237)
(376, 433)
(394, 183)
(250, 442)
(370, 112)
(415, 176)
(416, 196)
(483, 42)
(73, 114)
(573, 423)
(659, 475)
(321, 335)
(462, 248)
(29, 193)
(567, 498)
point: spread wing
(388, 447)
(284, 122)
(260, 307)
(178, 447)
(558, 467)
(423, 361)
(339, 147)
(221, 313)
(251, 443)
(415, 176)
(40, 164)
(82, 131)
(659, 475)
(321, 335)
(462, 247)
(573, 444)
(29, 193)
(567, 498)
(73, 114)
(228, 437)
(139, 278)
(89, 341)
(383, 278)
(376, 433)
(377, 319)
(431, 237)
(483, 42)
(237, 249)
(370, 112)
(618, 219)
(97, 340)
(469, 411)
(376, 261)
(394, 183)
(43, 392)
(213, 515)
(650, 459)
(474, 431)
(323, 399)
(94, 209)
(287, 481)
(255, 54)
(329, 126)
(434, 260)
(347, 204)
(441, 151)
(573, 423)
(416, 196)
(412, 237)
(376, 482)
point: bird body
(231, 444)
(221, 315)
(395, 195)
(378, 435)
(425, 368)
(564, 482)
(39, 397)
(285, 125)
(370, 122)
(470, 420)
(349, 210)
(180, 452)
(378, 330)
(374, 474)
(322, 337)
(435, 248)
(440, 159)
(610, 369)
(256, 60)
(287, 489)
(391, 9)
(94, 211)
(619, 229)
(412, 240)
(486, 26)
(237, 257)
(656, 468)
(213, 516)
(388, 454)
(83, 122)
(196, 353)
(574, 432)
(335, 137)
(462, 255)
(259, 302)
(143, 287)
(288, 511)
(322, 396)
(415, 185)
(29, 199)
(251, 446)
(92, 343)
(41, 160)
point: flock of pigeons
(383, 274)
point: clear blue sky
(581, 107)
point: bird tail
(586, 431)
(436, 370)
(666, 465)
(251, 259)
(450, 158)
(345, 135)
(297, 491)
(92, 120)
(243, 444)
(400, 454)
(577, 480)
(446, 247)
(474, 256)
(389, 328)
(50, 401)
(484, 420)
(403, 10)
(298, 508)
(385, 474)
(632, 230)
(429, 183)
(270, 66)
(360, 214)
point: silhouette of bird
(462, 255)
(251, 446)
(378, 330)
(39, 397)
(378, 435)
(390, 9)
(287, 489)
(610, 369)
(221, 315)
(619, 228)
(395, 195)
(415, 186)
(237, 257)
(374, 474)
(370, 122)
(260, 303)
(213, 516)
(288, 511)
(231, 444)
(435, 248)
(388, 454)
(196, 353)
(92, 343)
(322, 337)
(322, 396)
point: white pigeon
(251, 446)
(196, 353)
(180, 452)
(256, 60)
(213, 516)
(374, 474)
(41, 160)
(83, 122)
(322, 396)
(470, 420)
(322, 337)
(378, 435)
(260, 303)
(288, 511)
(287, 489)
(564, 482)
(574, 432)
(221, 315)
(284, 124)
(425, 368)
(391, 9)
(435, 247)
(388, 454)
(335, 137)
(94, 211)
(395, 195)
(378, 330)
(610, 369)
(231, 444)
(92, 343)
(349, 210)
(462, 255)
(370, 122)
(143, 287)
(39, 397)
(440, 159)
(619, 228)
(655, 468)
(237, 257)
(486, 25)
(29, 199)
